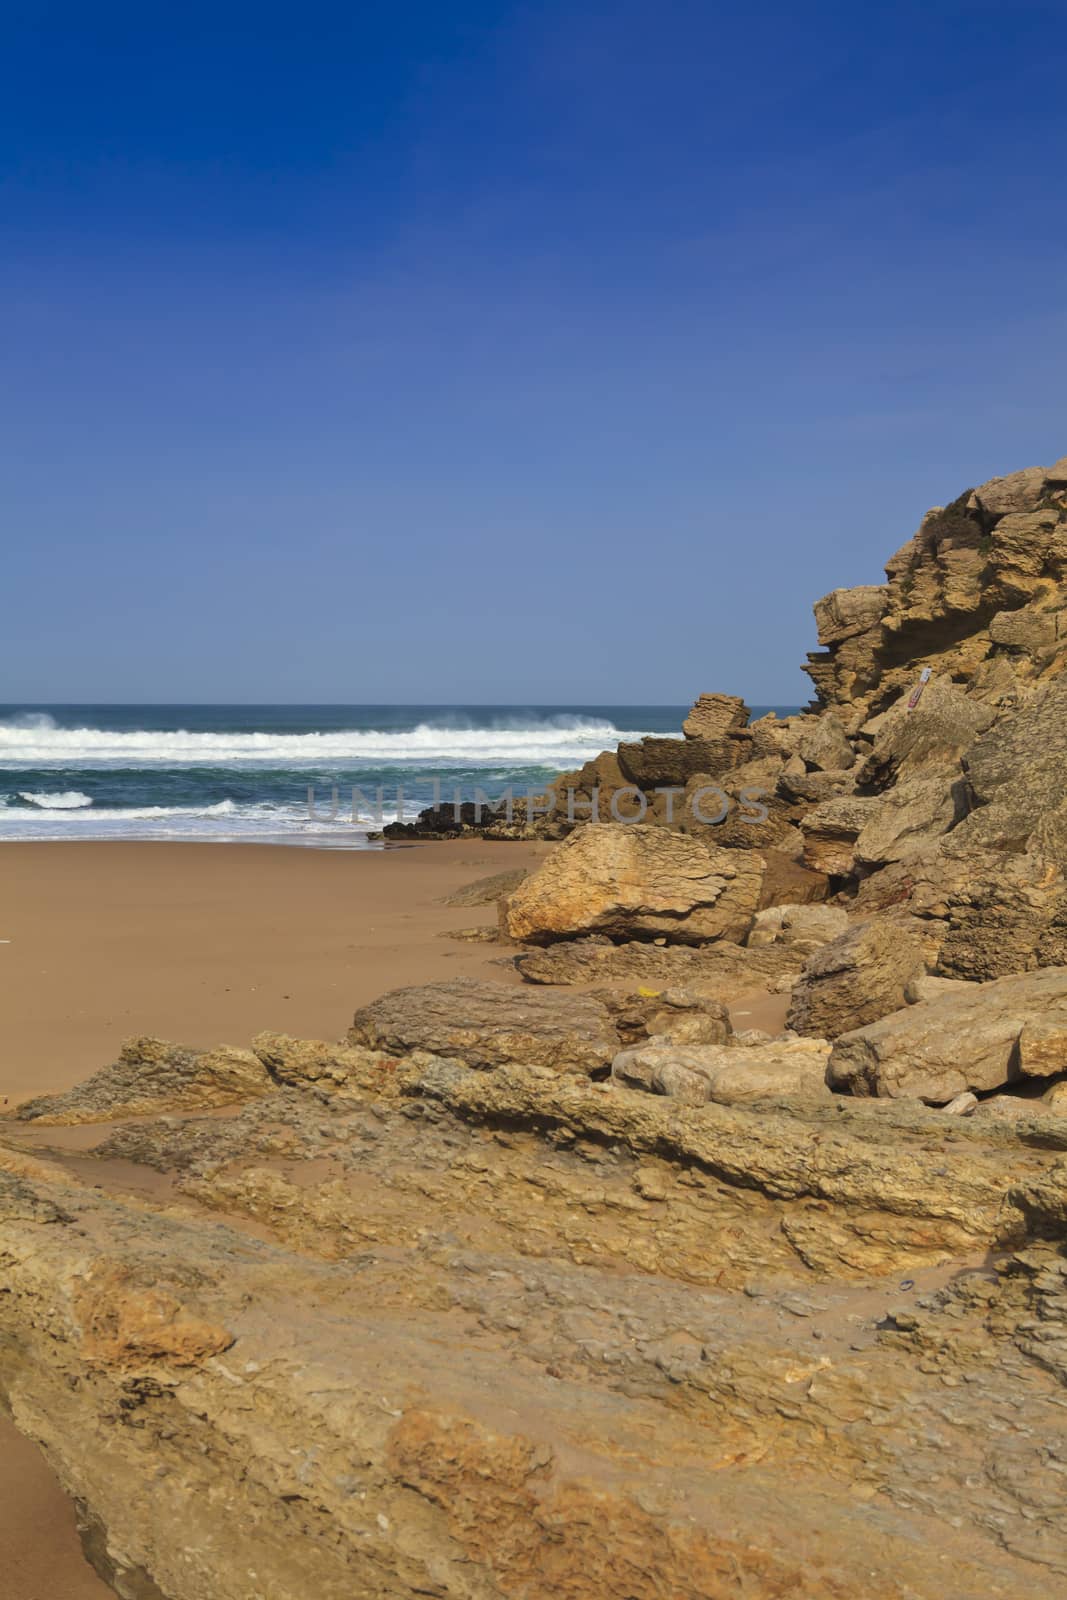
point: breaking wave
(557, 742)
(64, 800)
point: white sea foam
(556, 743)
(64, 800)
(73, 810)
(224, 821)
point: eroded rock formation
(404, 1327)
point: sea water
(232, 773)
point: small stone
(650, 1185)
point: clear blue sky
(497, 352)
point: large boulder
(787, 881)
(714, 740)
(697, 1074)
(976, 1038)
(1005, 914)
(856, 978)
(846, 613)
(906, 818)
(636, 880)
(993, 912)
(929, 736)
(736, 811)
(824, 745)
(488, 1024)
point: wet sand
(40, 1554)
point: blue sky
(503, 352)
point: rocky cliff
(978, 594)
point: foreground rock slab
(404, 1328)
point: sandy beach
(211, 943)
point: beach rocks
(714, 716)
(906, 818)
(929, 737)
(543, 1304)
(654, 763)
(993, 912)
(714, 741)
(856, 978)
(725, 969)
(334, 1069)
(1005, 913)
(152, 1076)
(1041, 1048)
(697, 1074)
(487, 1024)
(787, 881)
(830, 831)
(824, 746)
(680, 1015)
(486, 891)
(636, 880)
(975, 1039)
(400, 1316)
(803, 926)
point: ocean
(243, 773)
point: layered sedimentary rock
(151, 1076)
(724, 968)
(407, 1328)
(996, 551)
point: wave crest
(64, 800)
(559, 743)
